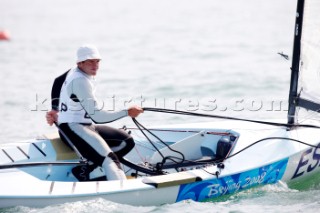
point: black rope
(272, 138)
(227, 118)
(142, 129)
(216, 161)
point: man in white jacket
(79, 117)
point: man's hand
(52, 116)
(134, 111)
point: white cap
(86, 52)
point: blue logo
(213, 188)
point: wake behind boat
(171, 163)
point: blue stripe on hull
(213, 188)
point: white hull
(269, 161)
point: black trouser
(113, 137)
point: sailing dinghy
(172, 163)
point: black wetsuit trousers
(120, 142)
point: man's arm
(52, 115)
(55, 91)
(82, 89)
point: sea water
(206, 56)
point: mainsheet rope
(142, 129)
(179, 112)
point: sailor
(80, 118)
